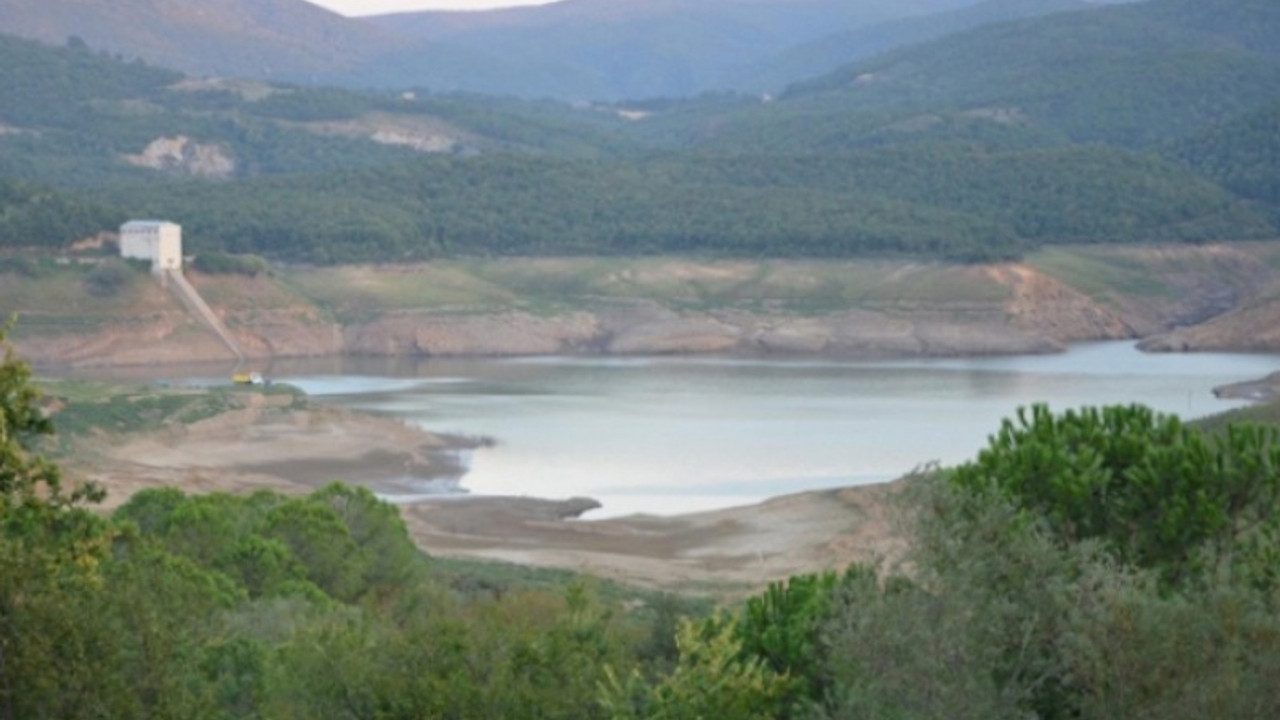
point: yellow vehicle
(249, 378)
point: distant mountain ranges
(943, 128)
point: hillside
(985, 145)
(1119, 74)
(70, 116)
(613, 49)
(820, 56)
(862, 308)
(279, 39)
(1242, 154)
(38, 217)
(949, 202)
(578, 49)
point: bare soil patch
(731, 550)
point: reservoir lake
(679, 434)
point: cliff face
(882, 310)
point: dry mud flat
(268, 446)
(718, 551)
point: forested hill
(820, 56)
(1149, 122)
(1242, 154)
(250, 38)
(611, 49)
(941, 202)
(573, 49)
(1133, 75)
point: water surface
(668, 435)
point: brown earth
(1260, 390)
(1253, 327)
(267, 444)
(1043, 305)
(722, 550)
(268, 319)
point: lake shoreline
(265, 446)
(1264, 389)
(296, 450)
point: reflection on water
(666, 435)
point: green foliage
(782, 627)
(310, 104)
(113, 409)
(1242, 154)
(49, 547)
(1131, 75)
(1003, 619)
(712, 679)
(216, 263)
(960, 153)
(1031, 593)
(43, 86)
(1155, 491)
(950, 201)
(31, 217)
(221, 606)
(900, 651)
(1132, 651)
(109, 278)
(25, 267)
(342, 541)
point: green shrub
(217, 263)
(1158, 493)
(109, 278)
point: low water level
(669, 435)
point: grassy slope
(56, 299)
(356, 293)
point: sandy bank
(1260, 390)
(716, 551)
(268, 445)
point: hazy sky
(374, 7)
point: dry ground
(716, 551)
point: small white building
(154, 240)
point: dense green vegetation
(1146, 122)
(950, 201)
(1129, 75)
(1242, 154)
(31, 217)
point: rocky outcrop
(419, 133)
(1254, 328)
(1044, 306)
(180, 155)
